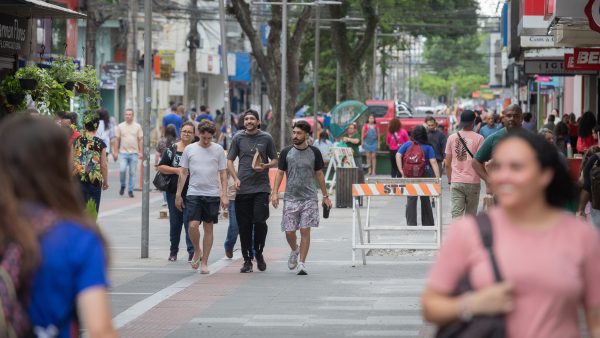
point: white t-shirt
(204, 165)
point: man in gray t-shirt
(302, 164)
(253, 187)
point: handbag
(478, 326)
(162, 181)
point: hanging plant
(13, 93)
(63, 70)
(29, 77)
(88, 87)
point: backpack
(595, 182)
(413, 161)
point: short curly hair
(206, 126)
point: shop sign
(592, 12)
(549, 67)
(537, 41)
(586, 59)
(13, 35)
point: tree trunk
(91, 30)
(192, 73)
(131, 78)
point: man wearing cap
(465, 182)
(512, 119)
(253, 187)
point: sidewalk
(156, 298)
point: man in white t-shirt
(465, 182)
(207, 192)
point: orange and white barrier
(395, 188)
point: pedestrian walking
(51, 251)
(550, 124)
(465, 183)
(587, 136)
(128, 150)
(204, 114)
(353, 140)
(529, 123)
(206, 165)
(416, 158)
(545, 259)
(370, 137)
(170, 163)
(106, 129)
(512, 119)
(573, 129)
(562, 137)
(175, 118)
(395, 138)
(90, 162)
(302, 164)
(255, 150)
(490, 126)
(233, 229)
(69, 121)
(324, 145)
(591, 188)
(437, 140)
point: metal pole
(224, 58)
(409, 69)
(374, 89)
(147, 108)
(337, 82)
(283, 74)
(316, 79)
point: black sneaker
(247, 267)
(131, 194)
(260, 263)
(122, 191)
(173, 257)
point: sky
(488, 7)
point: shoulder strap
(464, 144)
(484, 225)
(395, 138)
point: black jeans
(426, 212)
(177, 220)
(395, 171)
(252, 212)
(91, 192)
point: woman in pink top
(549, 260)
(396, 137)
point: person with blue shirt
(419, 139)
(54, 244)
(490, 127)
(175, 118)
(204, 114)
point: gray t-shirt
(245, 146)
(300, 166)
(204, 165)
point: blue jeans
(232, 230)
(131, 161)
(177, 220)
(91, 192)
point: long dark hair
(104, 116)
(171, 134)
(587, 124)
(37, 171)
(561, 189)
(419, 135)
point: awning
(37, 9)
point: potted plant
(29, 77)
(64, 70)
(88, 86)
(12, 91)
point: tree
(97, 11)
(269, 61)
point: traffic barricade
(394, 188)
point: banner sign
(13, 35)
(397, 189)
(587, 59)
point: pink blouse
(554, 271)
(402, 137)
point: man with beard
(512, 119)
(302, 164)
(253, 187)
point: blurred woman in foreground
(62, 254)
(548, 259)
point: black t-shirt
(300, 166)
(171, 157)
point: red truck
(385, 110)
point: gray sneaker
(293, 259)
(302, 270)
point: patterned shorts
(300, 214)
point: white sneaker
(293, 259)
(302, 269)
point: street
(156, 298)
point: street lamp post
(283, 113)
(316, 76)
(146, 122)
(224, 59)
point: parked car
(385, 110)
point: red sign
(549, 6)
(592, 11)
(586, 58)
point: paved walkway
(156, 298)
